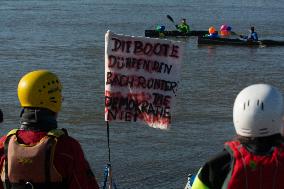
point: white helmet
(258, 111)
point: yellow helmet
(40, 89)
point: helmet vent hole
(262, 106)
(245, 130)
(52, 99)
(244, 106)
(248, 103)
(43, 86)
(257, 102)
(263, 131)
(48, 83)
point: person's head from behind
(211, 30)
(258, 111)
(160, 28)
(183, 20)
(252, 29)
(40, 89)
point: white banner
(141, 79)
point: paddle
(172, 20)
(234, 33)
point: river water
(67, 37)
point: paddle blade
(170, 18)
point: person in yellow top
(183, 26)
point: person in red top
(38, 155)
(255, 157)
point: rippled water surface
(67, 37)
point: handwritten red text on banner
(141, 79)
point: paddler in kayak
(225, 31)
(38, 154)
(252, 36)
(213, 33)
(183, 26)
(255, 158)
(160, 29)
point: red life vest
(250, 171)
(31, 166)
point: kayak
(238, 42)
(174, 33)
(190, 180)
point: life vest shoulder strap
(232, 146)
(7, 184)
(12, 132)
(57, 133)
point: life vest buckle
(30, 185)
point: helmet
(258, 111)
(211, 30)
(223, 27)
(40, 89)
(160, 28)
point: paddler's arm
(187, 28)
(242, 37)
(198, 184)
(214, 172)
(177, 27)
(73, 166)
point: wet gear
(214, 172)
(251, 171)
(31, 165)
(253, 36)
(183, 27)
(38, 119)
(69, 159)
